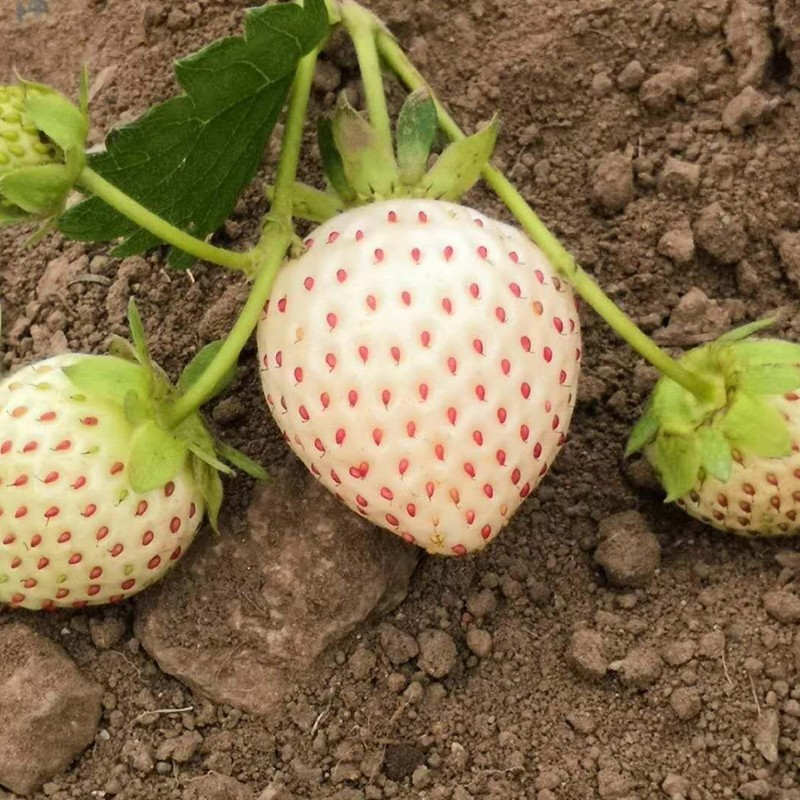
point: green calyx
(130, 379)
(42, 150)
(685, 437)
(361, 167)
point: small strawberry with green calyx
(42, 150)
(98, 498)
(731, 458)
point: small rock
(482, 604)
(782, 605)
(276, 791)
(676, 787)
(686, 702)
(479, 642)
(629, 552)
(327, 76)
(581, 721)
(613, 783)
(787, 21)
(748, 108)
(49, 711)
(788, 245)
(586, 654)
(398, 645)
(631, 76)
(57, 275)
(214, 786)
(612, 181)
(720, 234)
(640, 668)
(677, 244)
(697, 318)
(678, 653)
(401, 760)
(753, 790)
(660, 92)
(766, 733)
(106, 632)
(180, 749)
(437, 653)
(601, 84)
(749, 41)
(712, 645)
(361, 663)
(680, 178)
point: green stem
(276, 237)
(160, 228)
(558, 256)
(362, 26)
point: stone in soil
(629, 552)
(49, 711)
(640, 668)
(586, 654)
(788, 244)
(720, 233)
(749, 41)
(612, 182)
(437, 653)
(782, 605)
(306, 572)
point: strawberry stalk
(277, 234)
(95, 184)
(561, 259)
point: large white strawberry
(422, 360)
(731, 456)
(98, 497)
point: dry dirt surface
(606, 645)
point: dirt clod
(629, 552)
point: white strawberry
(72, 530)
(732, 458)
(422, 360)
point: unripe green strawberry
(732, 459)
(423, 360)
(21, 143)
(42, 141)
(72, 529)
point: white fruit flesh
(72, 531)
(422, 360)
(762, 496)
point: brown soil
(520, 723)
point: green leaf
(767, 351)
(416, 129)
(188, 159)
(108, 377)
(715, 453)
(770, 379)
(332, 163)
(642, 433)
(56, 116)
(370, 169)
(241, 461)
(156, 457)
(210, 485)
(198, 365)
(38, 190)
(754, 426)
(677, 461)
(137, 334)
(459, 166)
